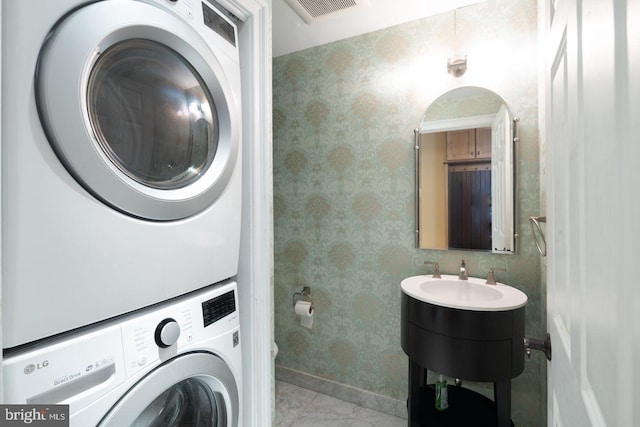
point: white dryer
(120, 158)
(177, 364)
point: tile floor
(299, 407)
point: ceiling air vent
(310, 10)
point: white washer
(180, 361)
(120, 159)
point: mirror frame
(469, 122)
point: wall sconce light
(457, 66)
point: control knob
(167, 333)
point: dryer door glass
(191, 403)
(152, 114)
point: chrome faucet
(436, 269)
(491, 278)
(463, 271)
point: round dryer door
(140, 108)
(195, 389)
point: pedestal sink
(464, 329)
(471, 294)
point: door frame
(255, 270)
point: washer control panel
(158, 333)
(82, 367)
(218, 307)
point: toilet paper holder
(304, 294)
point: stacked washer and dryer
(121, 205)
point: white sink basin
(472, 294)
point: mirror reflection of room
(465, 173)
(460, 163)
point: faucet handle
(436, 269)
(491, 279)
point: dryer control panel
(204, 14)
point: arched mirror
(465, 173)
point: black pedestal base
(466, 408)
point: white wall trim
(256, 247)
(366, 399)
(1, 248)
(457, 124)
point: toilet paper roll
(305, 311)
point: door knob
(537, 344)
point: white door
(591, 51)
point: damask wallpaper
(343, 121)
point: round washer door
(195, 389)
(139, 109)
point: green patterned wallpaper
(456, 105)
(343, 121)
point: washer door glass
(152, 114)
(189, 403)
(193, 389)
